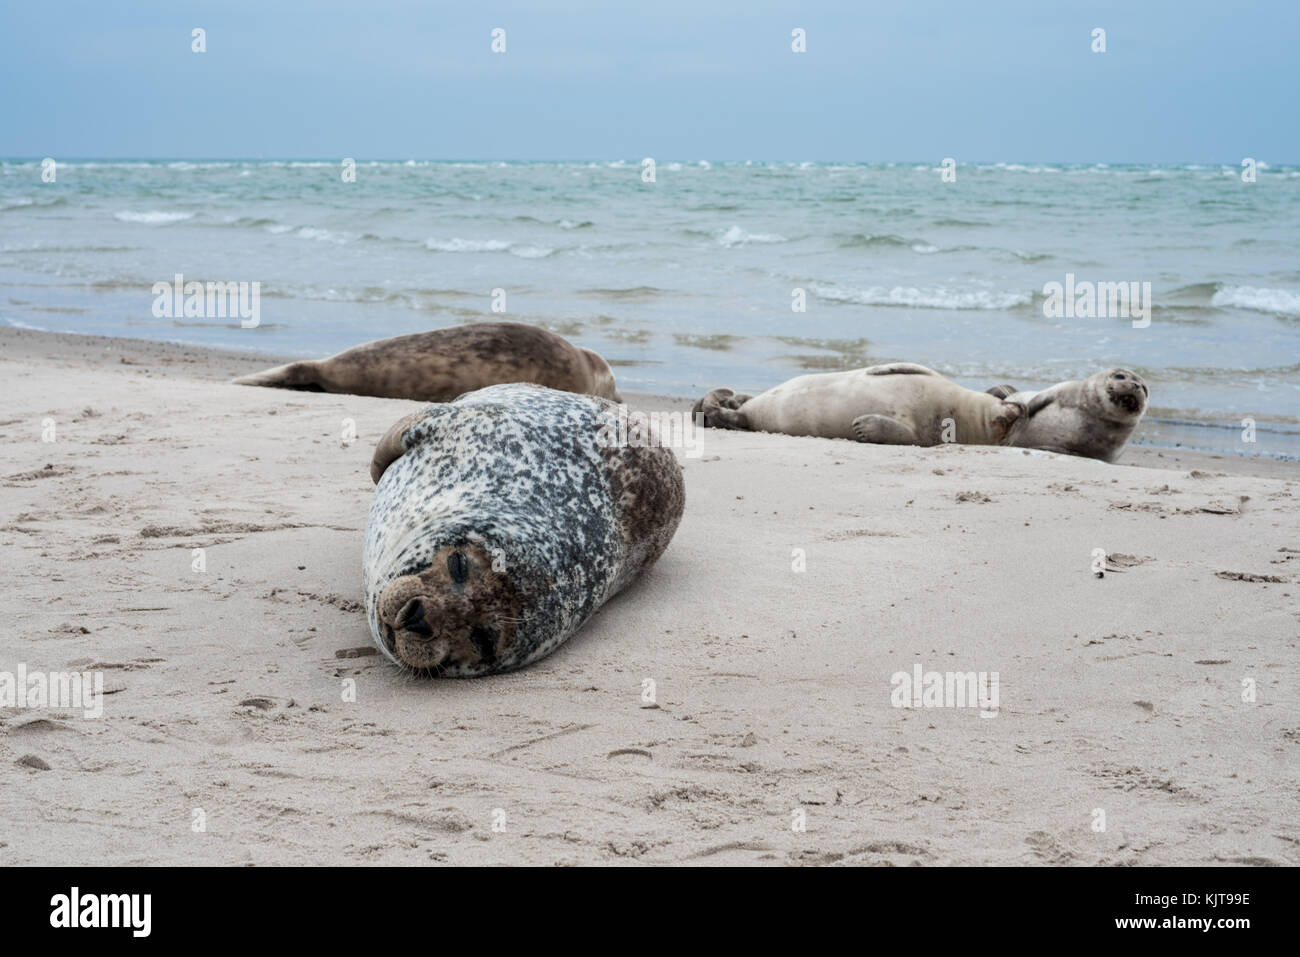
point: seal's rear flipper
(882, 430)
(1002, 391)
(391, 447)
(296, 375)
(721, 410)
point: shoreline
(221, 364)
(806, 576)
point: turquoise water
(686, 283)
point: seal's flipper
(721, 409)
(882, 430)
(1002, 391)
(1039, 402)
(391, 447)
(296, 375)
(1002, 423)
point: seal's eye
(1120, 376)
(458, 566)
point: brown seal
(440, 365)
(907, 404)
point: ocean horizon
(706, 273)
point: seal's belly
(826, 405)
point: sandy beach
(805, 574)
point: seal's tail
(720, 409)
(296, 375)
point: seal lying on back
(906, 404)
(440, 365)
(502, 521)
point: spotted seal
(437, 366)
(502, 521)
(906, 404)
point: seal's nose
(412, 621)
(396, 599)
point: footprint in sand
(630, 756)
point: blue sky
(1181, 81)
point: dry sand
(773, 686)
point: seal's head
(1123, 394)
(457, 617)
(602, 376)
(1093, 417)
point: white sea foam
(154, 218)
(1278, 301)
(457, 245)
(530, 252)
(936, 297)
(18, 324)
(1021, 168)
(735, 236)
(325, 235)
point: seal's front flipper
(392, 447)
(882, 430)
(721, 410)
(1002, 391)
(1039, 402)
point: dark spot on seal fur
(485, 641)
